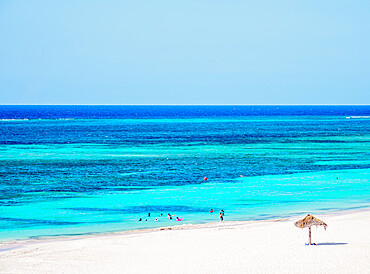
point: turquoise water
(78, 171)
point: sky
(184, 52)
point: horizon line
(184, 104)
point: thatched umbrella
(309, 221)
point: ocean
(71, 170)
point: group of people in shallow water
(169, 216)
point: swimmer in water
(221, 217)
(156, 219)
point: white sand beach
(229, 247)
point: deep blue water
(81, 169)
(147, 112)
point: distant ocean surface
(84, 169)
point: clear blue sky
(185, 52)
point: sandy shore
(229, 247)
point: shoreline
(267, 246)
(8, 245)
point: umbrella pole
(309, 235)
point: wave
(40, 119)
(25, 119)
(358, 117)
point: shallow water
(81, 169)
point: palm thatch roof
(309, 221)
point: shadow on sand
(332, 244)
